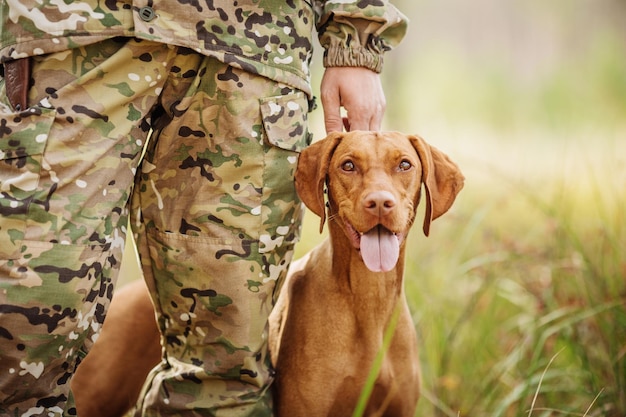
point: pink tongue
(380, 249)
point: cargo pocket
(23, 138)
(286, 134)
(285, 121)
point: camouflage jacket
(269, 37)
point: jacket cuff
(350, 57)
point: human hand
(359, 91)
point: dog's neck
(373, 292)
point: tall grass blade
(378, 361)
(532, 405)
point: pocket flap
(24, 134)
(285, 121)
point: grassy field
(520, 292)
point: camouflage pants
(67, 165)
(216, 217)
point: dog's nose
(379, 203)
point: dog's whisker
(411, 222)
(333, 216)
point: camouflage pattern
(217, 216)
(67, 165)
(267, 37)
(217, 198)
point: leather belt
(17, 82)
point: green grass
(520, 292)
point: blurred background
(519, 293)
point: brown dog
(338, 300)
(108, 381)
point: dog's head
(374, 181)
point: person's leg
(217, 218)
(67, 166)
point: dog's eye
(404, 165)
(348, 166)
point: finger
(331, 103)
(366, 114)
(357, 120)
(333, 121)
(376, 120)
(377, 109)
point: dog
(337, 301)
(108, 381)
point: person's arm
(355, 35)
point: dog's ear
(311, 174)
(442, 180)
